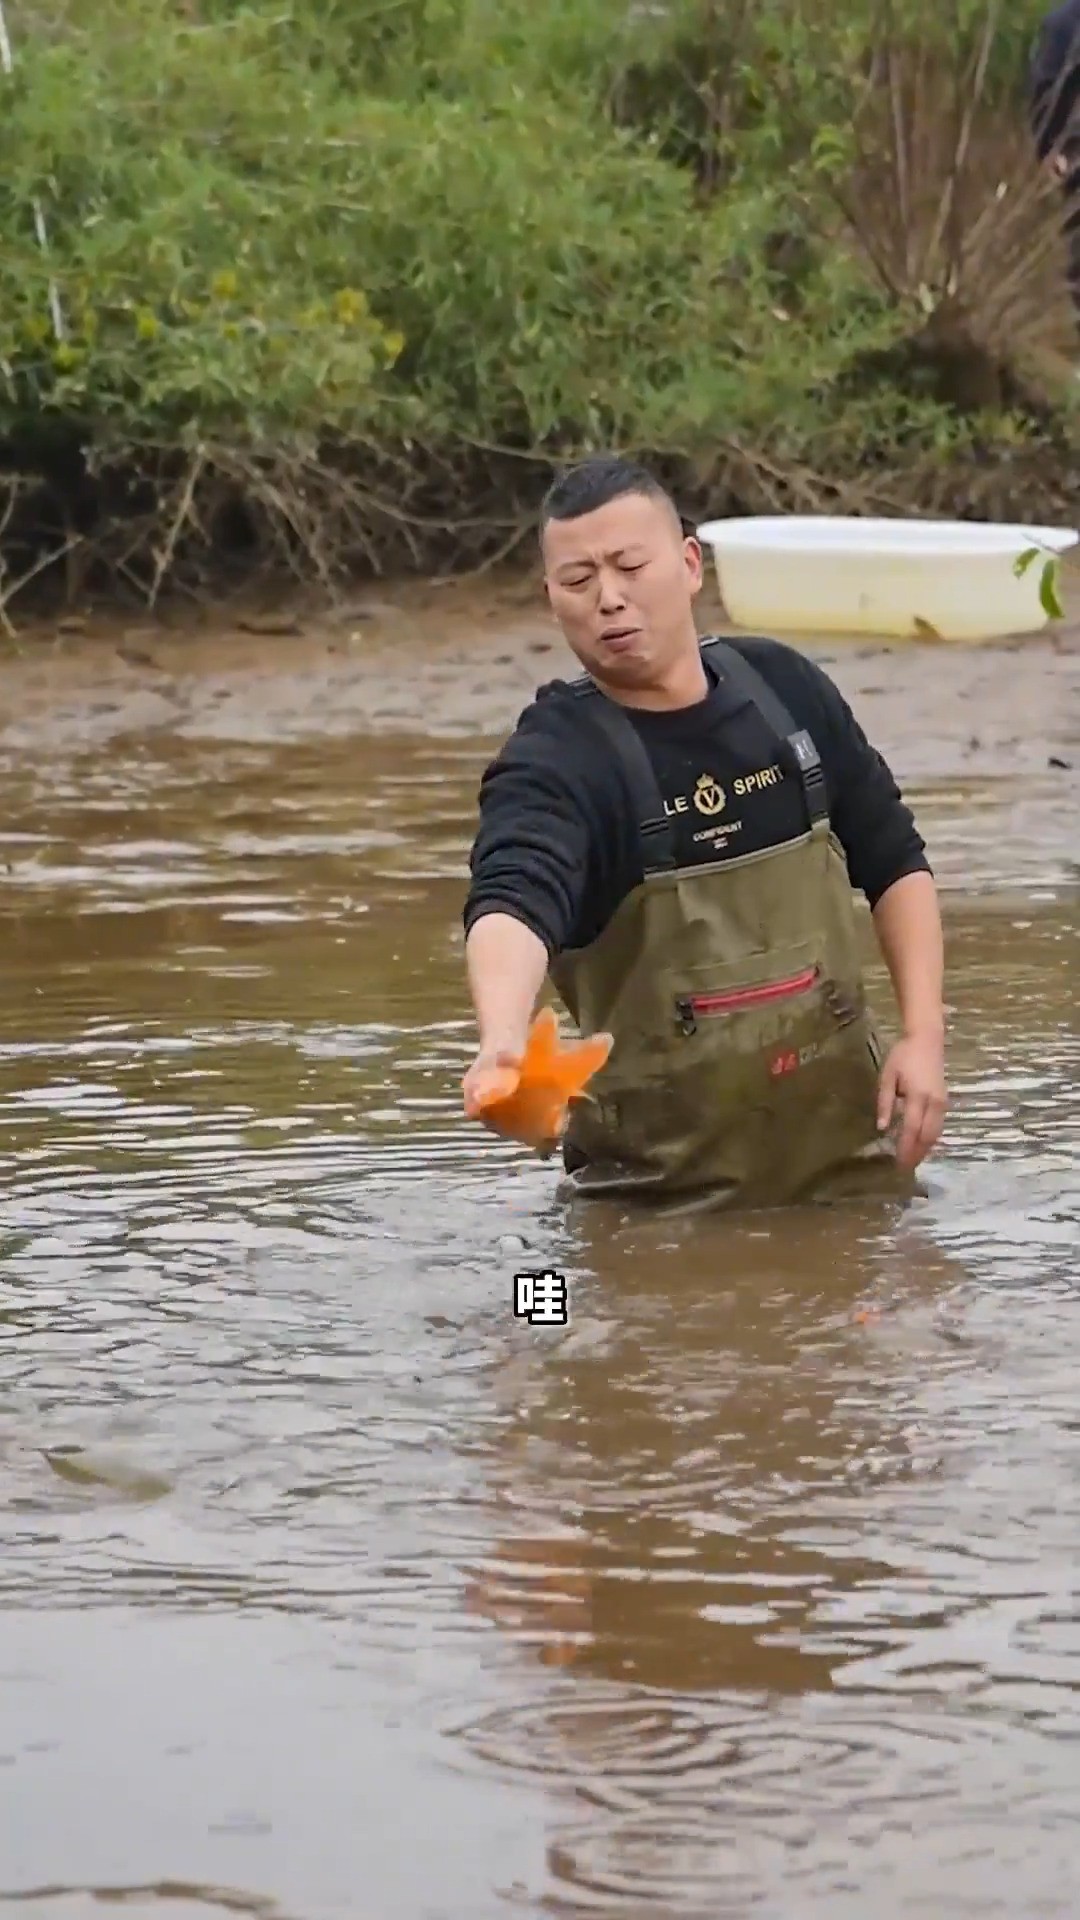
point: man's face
(622, 582)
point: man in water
(1055, 121)
(674, 838)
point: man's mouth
(619, 636)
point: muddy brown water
(328, 1587)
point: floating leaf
(136, 1483)
(1021, 565)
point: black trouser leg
(1072, 242)
(1072, 245)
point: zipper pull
(687, 1021)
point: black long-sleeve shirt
(557, 846)
(1055, 80)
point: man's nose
(612, 597)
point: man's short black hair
(593, 483)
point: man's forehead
(633, 520)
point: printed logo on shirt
(764, 777)
(715, 839)
(709, 795)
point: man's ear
(695, 563)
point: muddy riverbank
(991, 731)
(456, 656)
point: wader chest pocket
(745, 995)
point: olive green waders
(745, 1065)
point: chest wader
(745, 1065)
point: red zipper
(691, 1004)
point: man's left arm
(887, 861)
(907, 921)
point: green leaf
(1021, 565)
(1048, 593)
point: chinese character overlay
(541, 1298)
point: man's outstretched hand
(912, 1085)
(493, 1075)
(525, 1095)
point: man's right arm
(507, 964)
(529, 866)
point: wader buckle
(843, 1006)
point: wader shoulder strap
(801, 753)
(654, 828)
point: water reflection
(694, 1606)
(797, 1604)
(677, 1447)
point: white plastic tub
(952, 579)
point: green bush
(361, 273)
